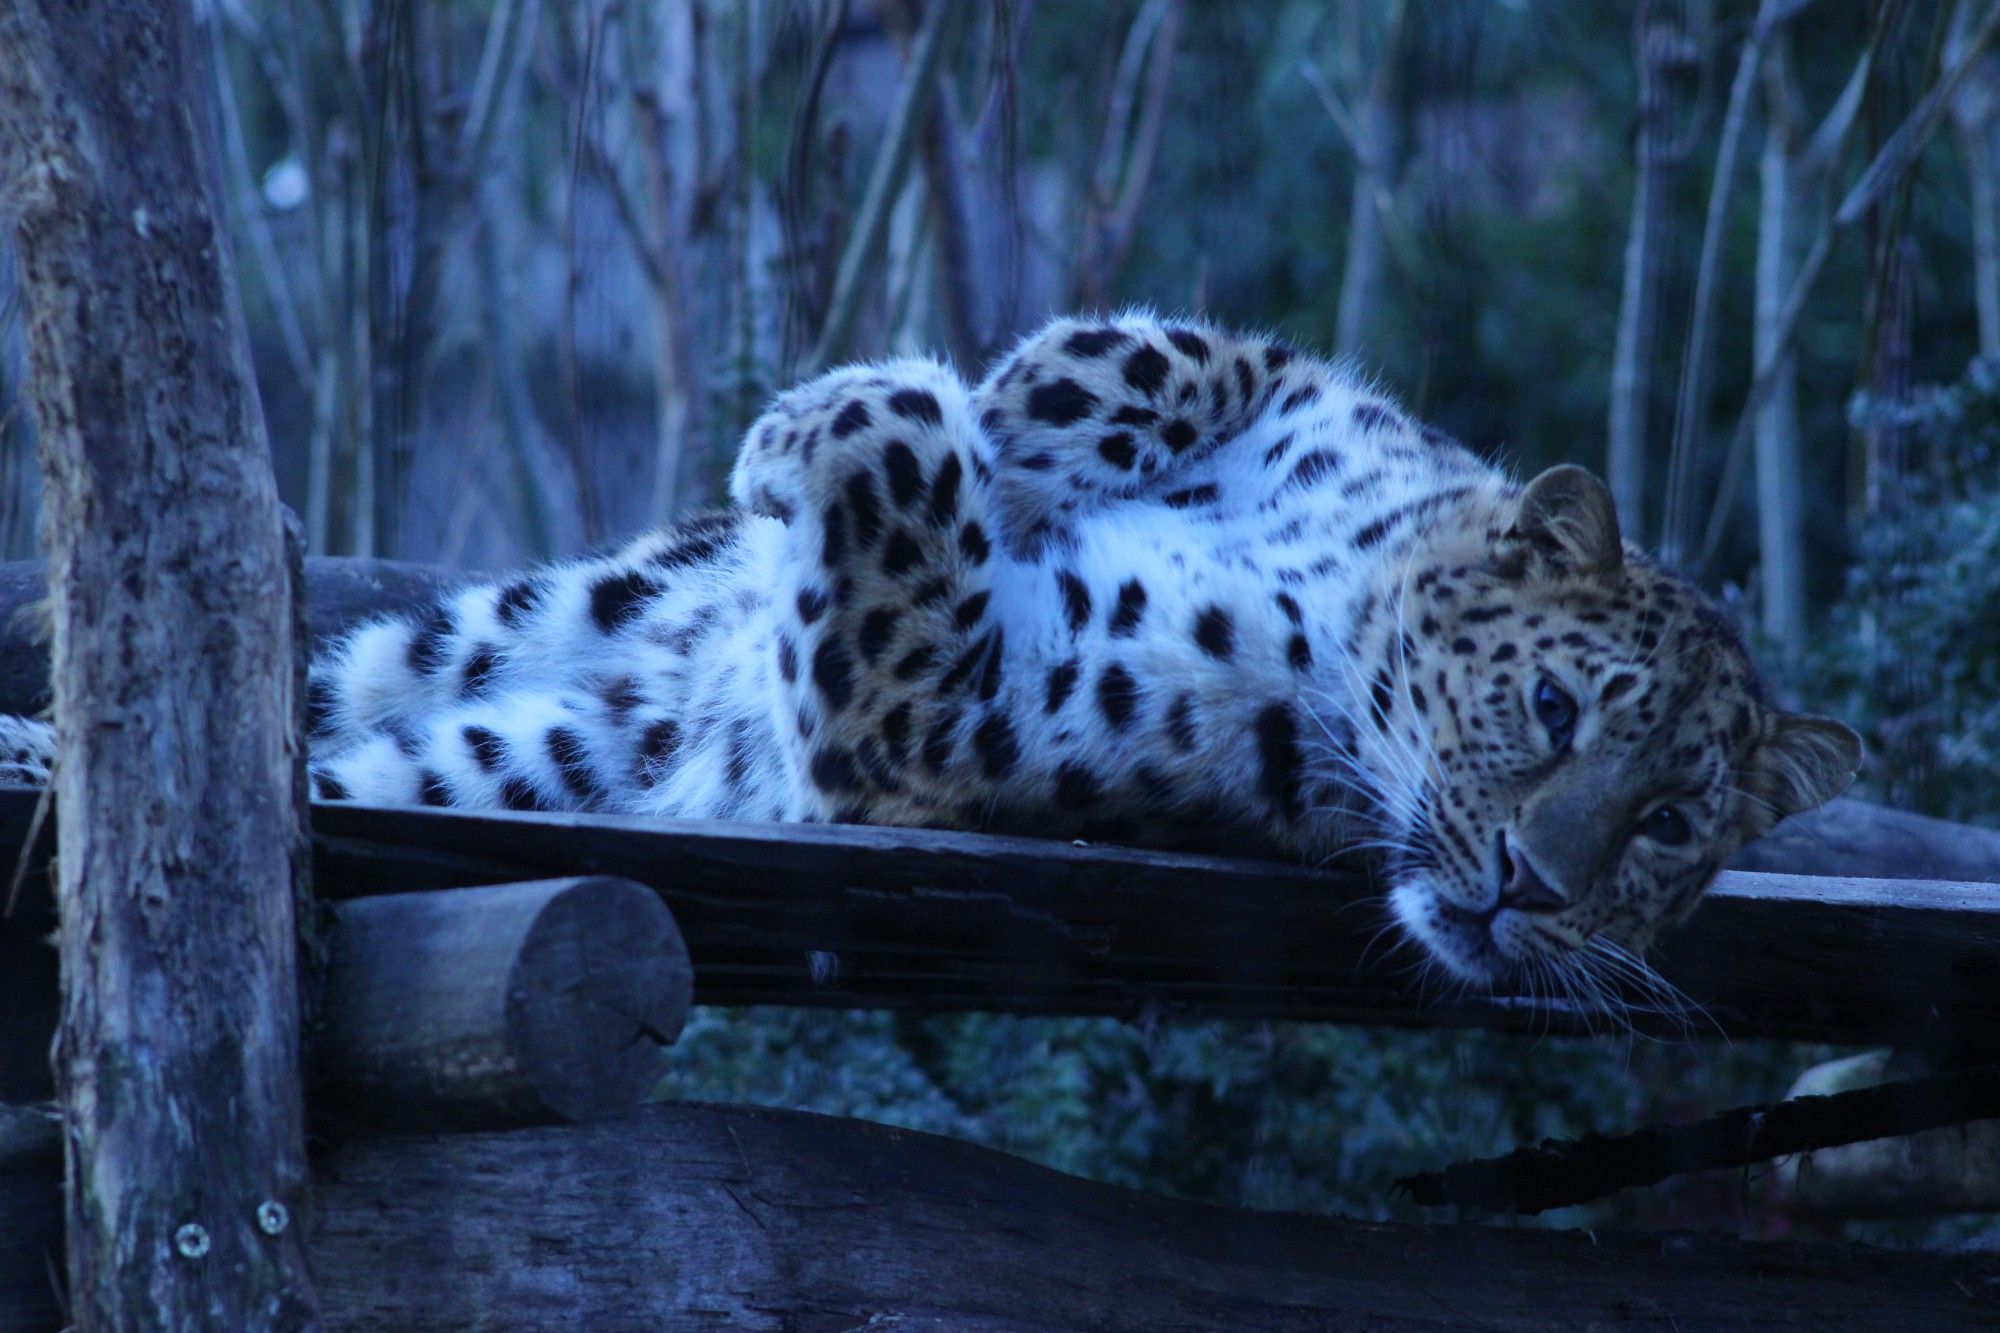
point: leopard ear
(1802, 762)
(1566, 516)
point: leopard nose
(1521, 885)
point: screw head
(273, 1217)
(191, 1240)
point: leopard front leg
(889, 646)
(1087, 412)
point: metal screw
(191, 1240)
(273, 1217)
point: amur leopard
(1150, 582)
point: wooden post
(520, 1003)
(178, 1052)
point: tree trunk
(1375, 141)
(178, 1053)
(1780, 466)
(1976, 113)
(1361, 277)
(1981, 146)
(1631, 361)
(1662, 52)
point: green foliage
(1284, 1116)
(1912, 652)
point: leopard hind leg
(889, 634)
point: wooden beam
(731, 1218)
(922, 919)
(515, 1004)
(907, 918)
(340, 594)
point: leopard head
(1575, 741)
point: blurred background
(518, 274)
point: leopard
(1150, 581)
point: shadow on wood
(730, 1218)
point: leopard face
(1580, 742)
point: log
(858, 917)
(180, 759)
(516, 1004)
(1847, 837)
(1842, 838)
(691, 1217)
(488, 1007)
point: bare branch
(1336, 110)
(249, 208)
(651, 256)
(1559, 1173)
(1900, 153)
(1662, 48)
(1124, 95)
(1831, 135)
(964, 299)
(892, 165)
(501, 60)
(1889, 166)
(1691, 407)
(1145, 143)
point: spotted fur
(1149, 581)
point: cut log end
(514, 1004)
(601, 987)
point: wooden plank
(925, 919)
(908, 918)
(732, 1218)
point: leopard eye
(1666, 825)
(1555, 709)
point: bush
(1911, 655)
